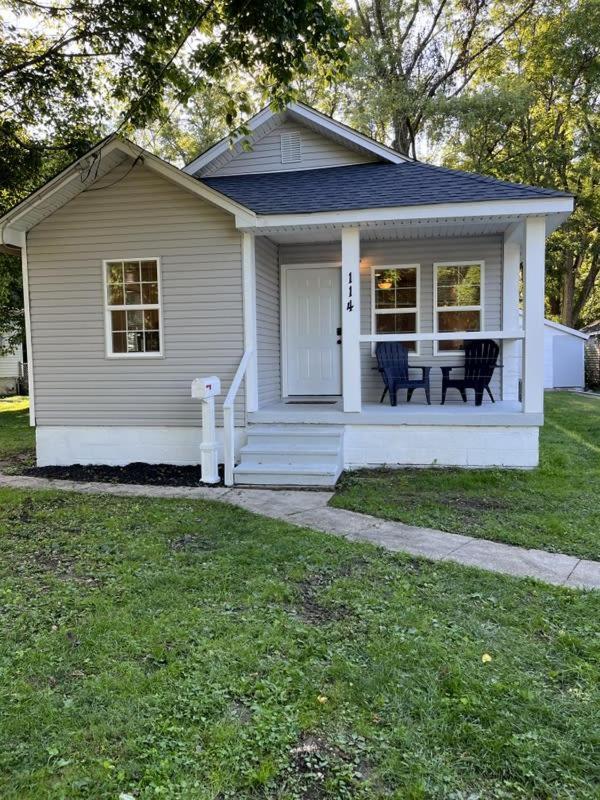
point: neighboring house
(564, 356)
(277, 269)
(593, 329)
(592, 355)
(10, 364)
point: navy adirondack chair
(392, 362)
(481, 359)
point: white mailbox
(206, 387)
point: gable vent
(291, 147)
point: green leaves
(533, 116)
(70, 73)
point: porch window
(133, 313)
(395, 292)
(458, 293)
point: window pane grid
(133, 306)
(395, 301)
(458, 301)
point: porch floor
(316, 411)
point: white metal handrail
(440, 337)
(229, 417)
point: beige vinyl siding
(317, 151)
(142, 215)
(425, 252)
(268, 324)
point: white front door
(313, 319)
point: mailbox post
(206, 389)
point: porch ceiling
(413, 229)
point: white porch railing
(229, 417)
(440, 337)
(512, 362)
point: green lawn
(555, 507)
(17, 439)
(191, 650)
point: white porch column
(249, 292)
(511, 350)
(533, 315)
(351, 375)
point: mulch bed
(150, 474)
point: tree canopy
(73, 70)
(505, 87)
(509, 89)
(533, 115)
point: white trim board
(558, 208)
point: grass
(17, 439)
(179, 649)
(554, 507)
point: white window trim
(413, 310)
(138, 307)
(437, 309)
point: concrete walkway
(310, 510)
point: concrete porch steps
(291, 455)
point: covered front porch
(321, 302)
(319, 296)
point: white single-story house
(277, 264)
(564, 356)
(10, 364)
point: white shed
(564, 353)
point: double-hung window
(133, 313)
(395, 293)
(458, 298)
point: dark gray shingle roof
(367, 186)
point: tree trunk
(553, 303)
(568, 291)
(403, 135)
(587, 287)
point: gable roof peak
(269, 117)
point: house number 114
(349, 304)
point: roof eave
(555, 209)
(51, 186)
(355, 137)
(11, 235)
(566, 329)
